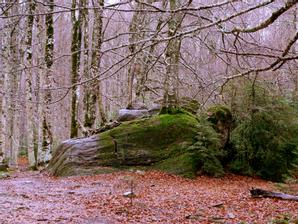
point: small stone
(22, 208)
(27, 182)
(195, 217)
(218, 205)
(24, 196)
(140, 172)
(230, 215)
(129, 194)
(4, 175)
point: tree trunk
(30, 88)
(294, 51)
(89, 96)
(138, 68)
(2, 99)
(75, 66)
(36, 80)
(47, 135)
(11, 143)
(96, 92)
(172, 57)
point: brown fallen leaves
(163, 198)
(159, 198)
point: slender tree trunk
(75, 66)
(47, 135)
(148, 59)
(294, 51)
(11, 143)
(28, 57)
(36, 80)
(137, 70)
(90, 97)
(172, 57)
(2, 99)
(96, 92)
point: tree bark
(75, 65)
(139, 67)
(294, 51)
(30, 9)
(36, 81)
(172, 57)
(11, 143)
(47, 134)
(96, 91)
(89, 96)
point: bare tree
(75, 65)
(96, 91)
(11, 138)
(28, 62)
(47, 139)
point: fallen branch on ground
(258, 193)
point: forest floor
(34, 197)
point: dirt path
(35, 198)
(31, 197)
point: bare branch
(274, 16)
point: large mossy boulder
(158, 141)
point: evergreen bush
(265, 141)
(206, 150)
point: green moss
(3, 168)
(170, 110)
(189, 104)
(162, 141)
(219, 113)
(185, 165)
(23, 152)
(155, 133)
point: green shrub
(219, 113)
(266, 139)
(206, 150)
(221, 119)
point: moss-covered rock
(3, 163)
(3, 167)
(146, 142)
(4, 175)
(185, 164)
(189, 104)
(219, 113)
(221, 118)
